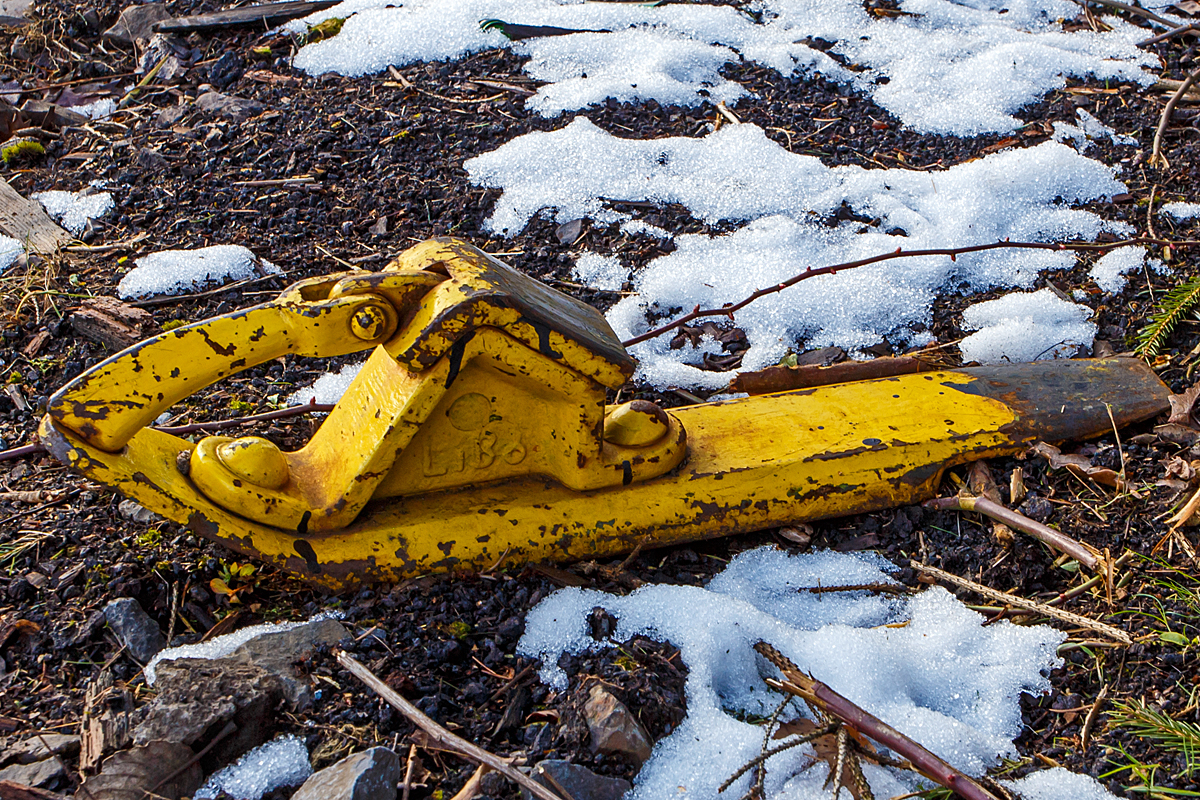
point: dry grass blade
(1020, 602)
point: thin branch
(439, 734)
(23, 451)
(1135, 10)
(1171, 34)
(1020, 602)
(818, 694)
(728, 309)
(1156, 155)
(266, 416)
(1059, 541)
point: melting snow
(1181, 211)
(177, 271)
(1087, 131)
(328, 388)
(74, 210)
(10, 251)
(283, 761)
(738, 174)
(1025, 326)
(945, 67)
(1109, 270)
(940, 677)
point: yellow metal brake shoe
(477, 430)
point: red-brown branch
(728, 309)
(804, 686)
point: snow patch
(1025, 326)
(328, 388)
(177, 271)
(74, 210)
(283, 761)
(943, 678)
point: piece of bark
(105, 728)
(11, 790)
(268, 15)
(28, 223)
(111, 322)
(782, 379)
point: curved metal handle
(334, 315)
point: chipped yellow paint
(477, 431)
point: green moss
(18, 150)
(324, 30)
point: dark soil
(377, 150)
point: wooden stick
(1059, 541)
(439, 734)
(266, 416)
(470, 789)
(406, 787)
(1171, 34)
(1156, 155)
(821, 696)
(1021, 602)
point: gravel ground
(378, 150)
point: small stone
(38, 774)
(369, 775)
(40, 746)
(130, 510)
(196, 697)
(136, 22)
(134, 628)
(580, 782)
(277, 652)
(169, 117)
(227, 69)
(615, 731)
(228, 106)
(1037, 508)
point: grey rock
(228, 106)
(38, 774)
(369, 775)
(134, 628)
(169, 117)
(278, 652)
(129, 509)
(137, 22)
(615, 731)
(197, 697)
(39, 112)
(580, 782)
(40, 746)
(227, 69)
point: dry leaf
(146, 771)
(1181, 406)
(1178, 468)
(826, 748)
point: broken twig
(439, 734)
(1079, 551)
(819, 695)
(1020, 602)
(1156, 156)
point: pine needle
(1168, 732)
(1175, 305)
